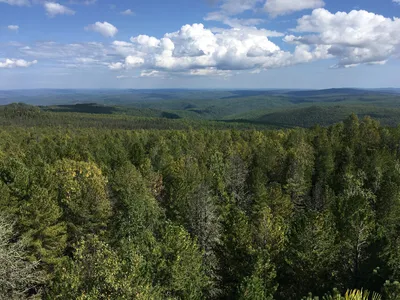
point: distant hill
(130, 96)
(328, 115)
(282, 108)
(343, 91)
(94, 108)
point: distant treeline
(95, 116)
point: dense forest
(196, 210)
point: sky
(241, 44)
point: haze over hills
(200, 93)
(278, 107)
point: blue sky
(199, 44)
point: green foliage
(30, 195)
(349, 295)
(97, 272)
(82, 195)
(200, 213)
(43, 231)
(136, 211)
(261, 283)
(235, 253)
(179, 271)
(391, 290)
(312, 259)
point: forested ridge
(273, 108)
(199, 213)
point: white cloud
(84, 2)
(127, 12)
(396, 1)
(86, 60)
(16, 2)
(275, 8)
(123, 76)
(195, 50)
(151, 73)
(353, 38)
(105, 28)
(357, 37)
(123, 48)
(234, 7)
(284, 7)
(78, 55)
(210, 72)
(14, 44)
(129, 63)
(146, 41)
(116, 66)
(247, 24)
(133, 62)
(10, 63)
(13, 27)
(232, 22)
(53, 9)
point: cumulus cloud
(53, 9)
(16, 2)
(129, 63)
(127, 12)
(196, 50)
(116, 66)
(123, 48)
(13, 27)
(353, 38)
(357, 37)
(106, 29)
(10, 63)
(284, 7)
(133, 61)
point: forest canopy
(200, 213)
